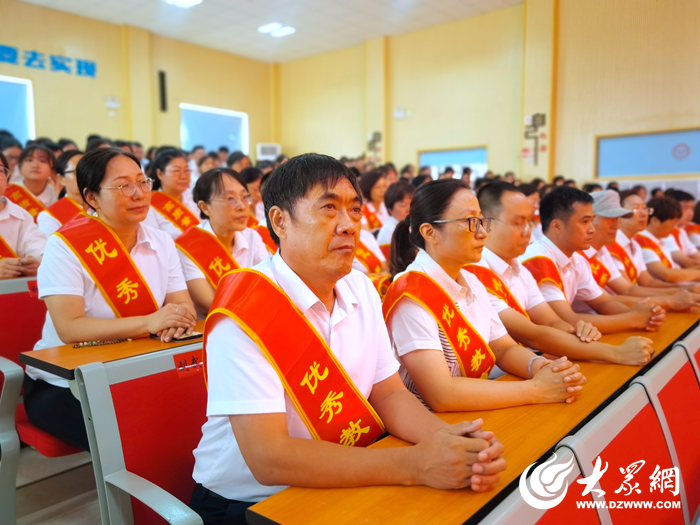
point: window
(213, 128)
(457, 159)
(663, 153)
(17, 107)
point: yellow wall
(128, 60)
(461, 82)
(67, 105)
(322, 104)
(624, 66)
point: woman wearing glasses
(104, 278)
(71, 204)
(443, 328)
(21, 243)
(222, 242)
(172, 209)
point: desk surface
(63, 360)
(527, 432)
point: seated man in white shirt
(564, 276)
(683, 252)
(257, 439)
(628, 254)
(608, 212)
(663, 217)
(517, 299)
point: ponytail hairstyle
(429, 204)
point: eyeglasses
(643, 211)
(474, 223)
(67, 172)
(129, 188)
(524, 227)
(232, 202)
(177, 173)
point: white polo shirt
(604, 256)
(382, 214)
(60, 273)
(517, 278)
(260, 213)
(633, 250)
(412, 327)
(368, 240)
(242, 381)
(694, 238)
(248, 250)
(575, 273)
(387, 231)
(46, 197)
(686, 247)
(649, 255)
(18, 230)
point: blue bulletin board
(649, 154)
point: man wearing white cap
(607, 209)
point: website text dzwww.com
(628, 504)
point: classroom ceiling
(321, 25)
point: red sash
(677, 235)
(386, 250)
(174, 211)
(372, 220)
(329, 403)
(208, 253)
(619, 252)
(64, 210)
(253, 222)
(267, 238)
(24, 198)
(5, 251)
(367, 258)
(647, 244)
(543, 269)
(495, 286)
(473, 354)
(109, 264)
(381, 282)
(693, 228)
(601, 274)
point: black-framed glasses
(232, 202)
(129, 188)
(474, 223)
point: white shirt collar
(453, 288)
(499, 265)
(301, 295)
(240, 243)
(144, 235)
(622, 239)
(560, 257)
(10, 210)
(653, 237)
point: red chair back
(160, 420)
(680, 401)
(23, 318)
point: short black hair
(66, 142)
(28, 152)
(163, 158)
(211, 155)
(199, 146)
(591, 187)
(223, 148)
(679, 195)
(251, 174)
(421, 179)
(293, 180)
(235, 157)
(490, 197)
(281, 158)
(466, 170)
(91, 170)
(7, 142)
(211, 183)
(527, 189)
(398, 192)
(368, 181)
(665, 209)
(557, 179)
(64, 158)
(624, 194)
(449, 169)
(97, 143)
(559, 204)
(406, 169)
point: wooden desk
(63, 360)
(527, 432)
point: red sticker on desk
(189, 364)
(33, 289)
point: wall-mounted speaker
(162, 90)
